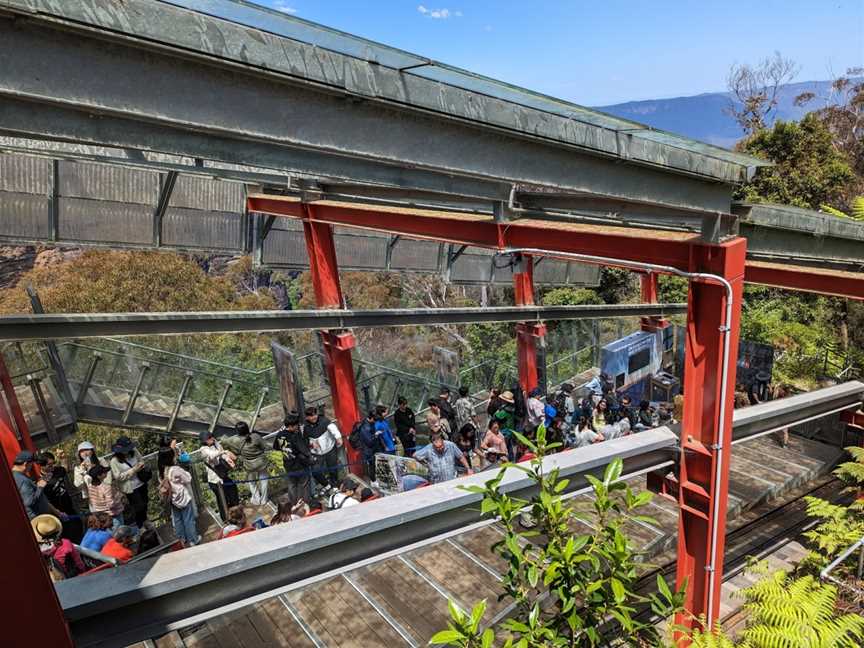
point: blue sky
(597, 52)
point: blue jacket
(367, 436)
(550, 413)
(386, 436)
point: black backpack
(355, 439)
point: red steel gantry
(703, 489)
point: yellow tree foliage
(101, 281)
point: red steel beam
(669, 248)
(646, 246)
(337, 344)
(527, 333)
(855, 418)
(704, 481)
(649, 284)
(807, 279)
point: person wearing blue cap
(32, 492)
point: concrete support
(528, 334)
(337, 344)
(706, 427)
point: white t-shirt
(341, 500)
(583, 438)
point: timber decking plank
(238, 625)
(202, 637)
(170, 640)
(367, 619)
(458, 574)
(306, 602)
(771, 460)
(479, 543)
(269, 632)
(287, 625)
(415, 605)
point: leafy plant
(840, 526)
(786, 612)
(566, 588)
(856, 212)
(796, 612)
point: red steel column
(12, 399)
(527, 333)
(8, 439)
(337, 344)
(700, 481)
(650, 295)
(24, 579)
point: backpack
(355, 439)
(165, 490)
(178, 498)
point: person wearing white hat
(87, 458)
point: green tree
(808, 169)
(672, 289)
(590, 576)
(566, 296)
(617, 285)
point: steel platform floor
(402, 601)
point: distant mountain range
(703, 117)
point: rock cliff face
(16, 260)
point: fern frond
(856, 452)
(858, 208)
(828, 209)
(789, 613)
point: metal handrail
(164, 364)
(825, 574)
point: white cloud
(281, 5)
(438, 14)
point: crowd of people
(116, 489)
(458, 445)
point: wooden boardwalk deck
(402, 601)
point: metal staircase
(115, 382)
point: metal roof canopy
(213, 89)
(784, 234)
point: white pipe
(724, 378)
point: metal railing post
(367, 400)
(595, 342)
(88, 378)
(134, 396)
(180, 397)
(258, 406)
(42, 406)
(220, 406)
(860, 563)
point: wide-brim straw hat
(507, 397)
(46, 527)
